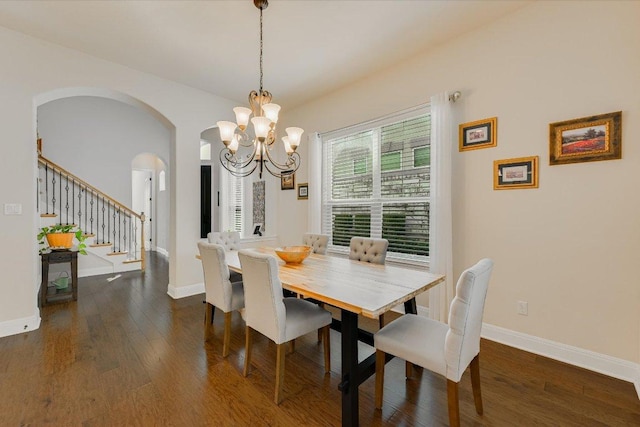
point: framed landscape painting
(588, 139)
(521, 172)
(478, 134)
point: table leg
(410, 307)
(349, 384)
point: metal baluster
(135, 244)
(66, 188)
(91, 220)
(46, 187)
(79, 206)
(114, 229)
(124, 235)
(53, 197)
(86, 205)
(103, 225)
(73, 199)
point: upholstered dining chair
(230, 241)
(444, 349)
(367, 249)
(219, 290)
(279, 319)
(318, 242)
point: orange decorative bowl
(293, 254)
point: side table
(53, 295)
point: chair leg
(326, 331)
(452, 398)
(475, 383)
(209, 310)
(292, 346)
(227, 334)
(247, 351)
(279, 372)
(381, 321)
(380, 356)
(408, 368)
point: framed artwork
(478, 134)
(588, 139)
(287, 182)
(303, 191)
(521, 172)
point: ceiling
(310, 47)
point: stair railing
(74, 201)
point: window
(421, 157)
(231, 201)
(376, 184)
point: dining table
(356, 288)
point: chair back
(230, 240)
(368, 249)
(462, 342)
(264, 308)
(318, 242)
(216, 275)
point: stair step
(117, 253)
(89, 235)
(48, 215)
(97, 245)
(131, 261)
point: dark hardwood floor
(127, 354)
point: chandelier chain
(261, 51)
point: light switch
(12, 209)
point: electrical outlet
(523, 308)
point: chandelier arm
(280, 173)
(235, 172)
(227, 157)
(292, 159)
(243, 138)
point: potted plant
(61, 236)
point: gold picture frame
(288, 181)
(588, 139)
(516, 173)
(479, 134)
(303, 191)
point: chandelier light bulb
(271, 112)
(227, 130)
(294, 134)
(261, 127)
(233, 145)
(287, 145)
(242, 117)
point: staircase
(115, 233)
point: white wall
(569, 248)
(34, 72)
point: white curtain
(315, 184)
(440, 223)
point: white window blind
(231, 200)
(376, 183)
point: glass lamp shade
(242, 116)
(227, 130)
(261, 126)
(233, 146)
(271, 112)
(287, 145)
(294, 134)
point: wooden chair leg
(380, 358)
(452, 399)
(247, 351)
(292, 346)
(227, 334)
(475, 383)
(326, 331)
(408, 368)
(381, 321)
(279, 372)
(209, 310)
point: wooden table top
(359, 287)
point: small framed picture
(478, 134)
(288, 180)
(257, 229)
(588, 139)
(303, 191)
(521, 172)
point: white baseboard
(95, 271)
(18, 326)
(185, 291)
(597, 362)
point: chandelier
(242, 154)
